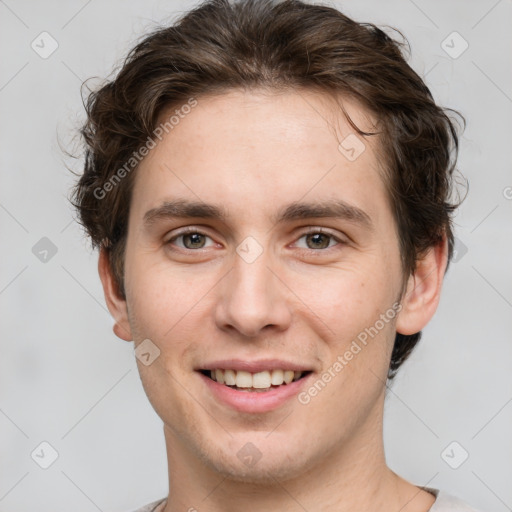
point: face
(259, 248)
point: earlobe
(422, 296)
(116, 303)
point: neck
(353, 477)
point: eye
(191, 239)
(316, 239)
(319, 239)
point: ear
(115, 302)
(421, 298)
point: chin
(267, 467)
(267, 474)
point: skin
(254, 152)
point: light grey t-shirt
(444, 503)
(447, 503)
(151, 506)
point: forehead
(254, 151)
(276, 118)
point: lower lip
(254, 401)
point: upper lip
(254, 366)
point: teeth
(229, 377)
(243, 379)
(260, 380)
(288, 376)
(277, 377)
(219, 376)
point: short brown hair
(222, 45)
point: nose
(253, 298)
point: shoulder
(447, 503)
(150, 507)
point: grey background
(67, 380)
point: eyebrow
(332, 208)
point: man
(268, 184)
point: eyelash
(310, 231)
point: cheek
(347, 300)
(358, 310)
(161, 298)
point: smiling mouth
(254, 382)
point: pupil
(195, 238)
(316, 241)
